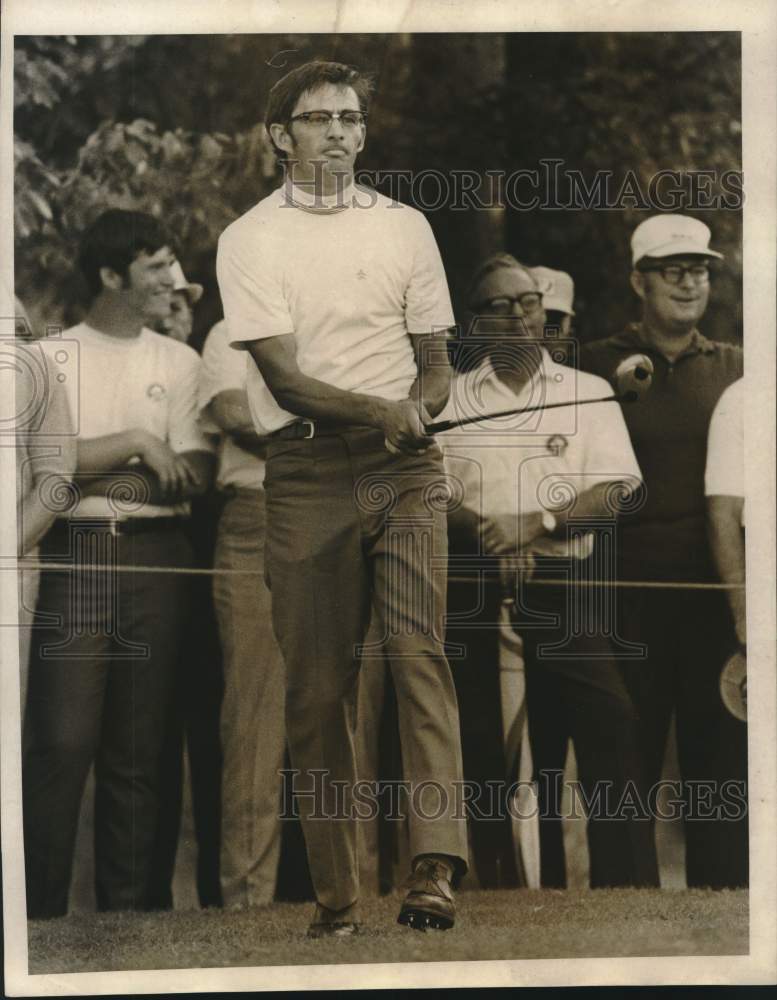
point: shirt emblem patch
(156, 391)
(557, 445)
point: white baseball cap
(557, 287)
(667, 235)
(180, 284)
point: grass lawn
(511, 924)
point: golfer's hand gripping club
(404, 427)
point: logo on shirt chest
(557, 445)
(156, 391)
(361, 274)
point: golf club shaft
(447, 425)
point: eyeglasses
(673, 274)
(502, 305)
(323, 119)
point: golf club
(632, 379)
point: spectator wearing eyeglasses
(509, 473)
(687, 633)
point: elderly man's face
(508, 305)
(669, 305)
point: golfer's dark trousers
(687, 637)
(104, 649)
(348, 521)
(575, 690)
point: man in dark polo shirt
(687, 633)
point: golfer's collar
(632, 337)
(318, 204)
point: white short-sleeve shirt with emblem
(534, 461)
(116, 384)
(350, 286)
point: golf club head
(633, 377)
(733, 685)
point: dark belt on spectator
(119, 526)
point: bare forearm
(400, 421)
(500, 533)
(137, 479)
(308, 397)
(145, 483)
(433, 385)
(111, 451)
(595, 503)
(34, 518)
(727, 544)
(510, 533)
(432, 394)
(229, 411)
(51, 458)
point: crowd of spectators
(162, 467)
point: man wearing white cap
(186, 294)
(687, 632)
(558, 294)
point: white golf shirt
(534, 461)
(725, 471)
(224, 369)
(117, 384)
(350, 285)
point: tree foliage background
(173, 125)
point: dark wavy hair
(288, 90)
(114, 240)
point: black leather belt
(304, 430)
(116, 526)
(300, 430)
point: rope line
(31, 565)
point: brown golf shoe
(429, 901)
(335, 923)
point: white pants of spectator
(252, 714)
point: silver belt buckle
(311, 430)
